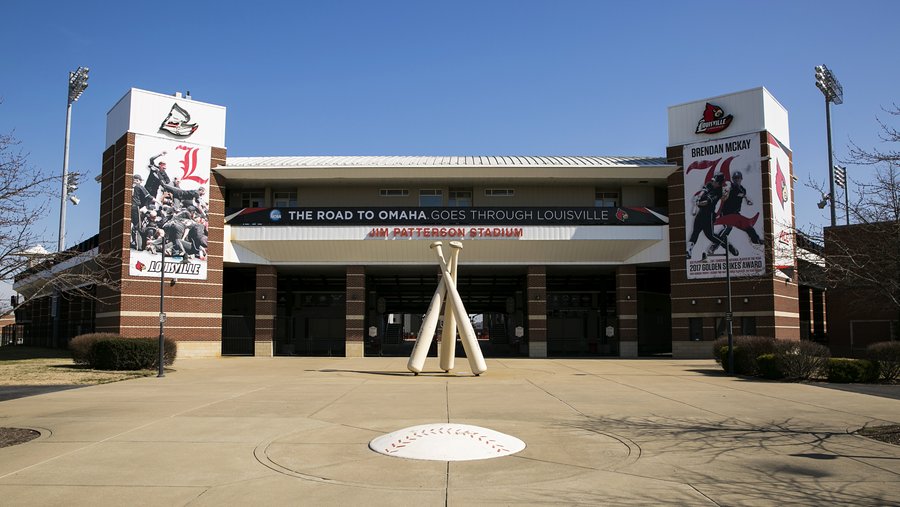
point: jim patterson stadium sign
(447, 216)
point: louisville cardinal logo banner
(782, 204)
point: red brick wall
(858, 314)
(772, 300)
(193, 307)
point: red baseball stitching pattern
(417, 434)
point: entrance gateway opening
(311, 310)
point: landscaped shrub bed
(845, 370)
(805, 360)
(108, 351)
(746, 349)
(767, 357)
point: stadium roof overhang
(535, 245)
(472, 170)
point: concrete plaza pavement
(294, 431)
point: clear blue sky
(443, 78)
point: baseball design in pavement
(446, 442)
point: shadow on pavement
(394, 373)
(891, 391)
(13, 392)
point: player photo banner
(170, 199)
(723, 200)
(782, 204)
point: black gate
(238, 334)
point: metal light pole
(77, 84)
(162, 316)
(834, 92)
(728, 314)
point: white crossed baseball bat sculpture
(455, 318)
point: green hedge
(887, 356)
(770, 367)
(805, 360)
(746, 349)
(844, 370)
(131, 353)
(790, 359)
(81, 345)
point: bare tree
(25, 194)
(865, 257)
(21, 185)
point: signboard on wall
(733, 114)
(782, 204)
(173, 136)
(170, 198)
(413, 216)
(723, 206)
(166, 117)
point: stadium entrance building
(563, 255)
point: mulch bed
(15, 436)
(889, 434)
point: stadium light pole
(78, 82)
(834, 92)
(77, 85)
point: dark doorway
(580, 310)
(396, 304)
(238, 311)
(310, 317)
(654, 312)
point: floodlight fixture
(78, 82)
(829, 85)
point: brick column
(626, 310)
(266, 295)
(193, 307)
(356, 311)
(537, 311)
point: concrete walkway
(294, 431)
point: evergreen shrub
(131, 353)
(845, 370)
(81, 345)
(887, 356)
(769, 367)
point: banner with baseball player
(723, 207)
(169, 206)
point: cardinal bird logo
(140, 266)
(713, 120)
(178, 122)
(621, 215)
(781, 187)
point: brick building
(563, 255)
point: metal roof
(414, 161)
